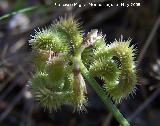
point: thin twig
(13, 57)
(4, 52)
(10, 88)
(26, 119)
(144, 105)
(12, 75)
(149, 40)
(7, 91)
(107, 120)
(12, 104)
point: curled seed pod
(48, 88)
(103, 68)
(46, 40)
(54, 82)
(119, 75)
(127, 79)
(70, 28)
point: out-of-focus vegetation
(19, 18)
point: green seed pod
(57, 52)
(55, 82)
(115, 65)
(70, 28)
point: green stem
(106, 100)
(19, 11)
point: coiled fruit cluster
(57, 79)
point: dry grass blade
(19, 11)
(12, 104)
(149, 40)
(144, 105)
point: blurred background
(19, 18)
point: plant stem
(19, 11)
(106, 100)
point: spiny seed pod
(56, 53)
(55, 81)
(115, 65)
